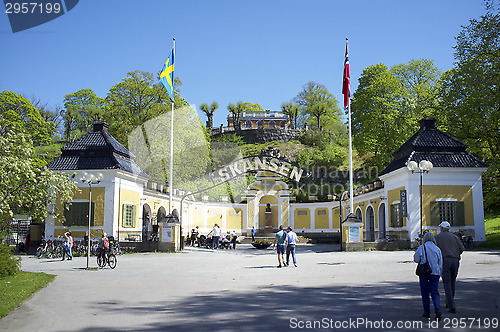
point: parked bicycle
(109, 258)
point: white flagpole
(351, 177)
(171, 166)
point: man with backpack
(279, 242)
(103, 246)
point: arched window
(248, 124)
(272, 124)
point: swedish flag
(167, 74)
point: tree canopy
(19, 115)
(317, 103)
(82, 108)
(470, 96)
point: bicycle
(109, 258)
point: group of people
(443, 254)
(285, 241)
(219, 240)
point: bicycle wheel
(39, 252)
(112, 261)
(101, 262)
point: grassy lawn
(492, 227)
(15, 289)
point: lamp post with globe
(90, 179)
(424, 166)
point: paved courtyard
(204, 290)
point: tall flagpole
(346, 91)
(351, 177)
(171, 165)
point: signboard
(354, 234)
(166, 234)
(404, 205)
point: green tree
(30, 186)
(418, 79)
(470, 96)
(316, 102)
(292, 110)
(82, 108)
(18, 114)
(135, 100)
(377, 123)
(209, 112)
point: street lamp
(90, 179)
(424, 166)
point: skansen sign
(256, 164)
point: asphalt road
(243, 290)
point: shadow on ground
(277, 308)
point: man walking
(291, 241)
(253, 234)
(451, 248)
(279, 240)
(216, 231)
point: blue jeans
(429, 284)
(215, 242)
(290, 249)
(66, 251)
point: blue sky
(257, 51)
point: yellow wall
(234, 221)
(262, 210)
(336, 217)
(461, 193)
(97, 199)
(394, 195)
(196, 217)
(128, 196)
(321, 221)
(302, 220)
(214, 216)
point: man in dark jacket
(451, 248)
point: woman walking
(430, 252)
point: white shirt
(216, 231)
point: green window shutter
(134, 215)
(124, 213)
(459, 214)
(393, 215)
(435, 215)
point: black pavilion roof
(96, 150)
(438, 147)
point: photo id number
(32, 7)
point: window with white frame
(129, 213)
(396, 216)
(450, 210)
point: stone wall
(252, 136)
